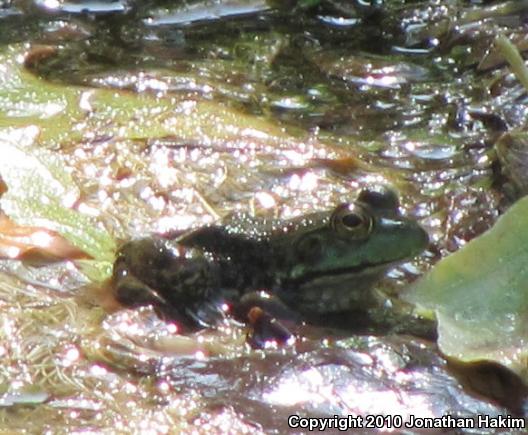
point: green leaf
(41, 193)
(480, 295)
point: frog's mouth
(363, 269)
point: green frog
(313, 265)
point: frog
(309, 266)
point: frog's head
(363, 239)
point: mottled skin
(315, 264)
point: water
(169, 116)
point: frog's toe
(267, 331)
(268, 303)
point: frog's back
(241, 234)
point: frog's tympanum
(313, 265)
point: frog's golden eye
(350, 220)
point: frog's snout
(421, 239)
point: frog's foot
(131, 292)
(268, 303)
(267, 331)
(207, 314)
(269, 318)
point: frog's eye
(350, 220)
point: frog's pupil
(351, 220)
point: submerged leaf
(514, 58)
(480, 295)
(512, 152)
(40, 194)
(23, 398)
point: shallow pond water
(169, 115)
